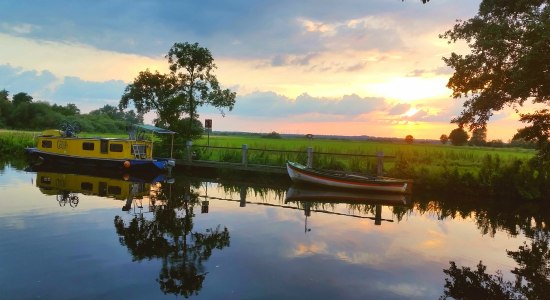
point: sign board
(208, 123)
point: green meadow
(353, 155)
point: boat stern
(165, 163)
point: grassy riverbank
(507, 172)
(474, 170)
(13, 143)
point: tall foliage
(190, 84)
(23, 113)
(508, 64)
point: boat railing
(140, 151)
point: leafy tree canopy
(68, 110)
(190, 84)
(479, 137)
(444, 139)
(509, 63)
(21, 98)
(22, 112)
(458, 136)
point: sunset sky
(348, 67)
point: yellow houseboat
(132, 153)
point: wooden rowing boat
(337, 179)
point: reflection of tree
(169, 236)
(491, 215)
(532, 275)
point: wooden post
(242, 203)
(188, 145)
(380, 163)
(378, 215)
(309, 157)
(245, 155)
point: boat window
(46, 144)
(114, 190)
(115, 147)
(87, 146)
(87, 186)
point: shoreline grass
(14, 142)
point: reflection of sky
(58, 252)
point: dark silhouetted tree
(443, 139)
(409, 139)
(458, 137)
(479, 137)
(507, 66)
(190, 84)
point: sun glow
(411, 112)
(411, 89)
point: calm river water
(66, 236)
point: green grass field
(326, 153)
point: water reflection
(159, 221)
(169, 235)
(67, 185)
(324, 201)
(532, 275)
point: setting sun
(411, 89)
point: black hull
(65, 161)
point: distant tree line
(22, 112)
(459, 137)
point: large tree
(479, 137)
(458, 136)
(21, 98)
(189, 85)
(509, 64)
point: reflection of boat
(51, 183)
(337, 179)
(66, 185)
(310, 197)
(133, 153)
(298, 193)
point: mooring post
(245, 155)
(309, 157)
(242, 203)
(188, 146)
(378, 215)
(380, 163)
